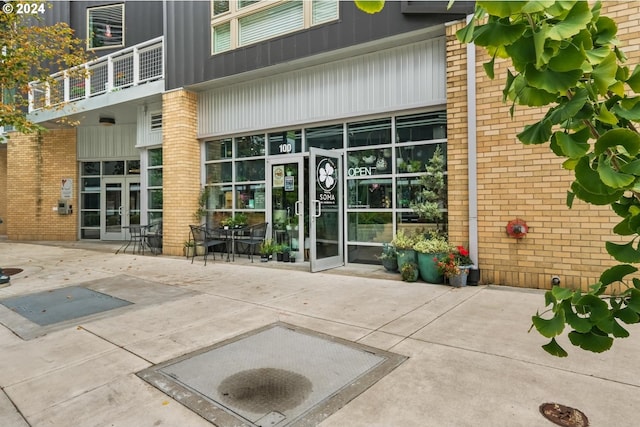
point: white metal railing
(126, 68)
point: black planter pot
(279, 256)
(285, 257)
(264, 258)
(474, 277)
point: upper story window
(237, 23)
(105, 27)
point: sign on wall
(66, 188)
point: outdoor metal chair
(254, 237)
(154, 238)
(202, 236)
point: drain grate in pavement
(280, 375)
(49, 307)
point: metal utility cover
(280, 375)
(49, 307)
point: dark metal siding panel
(58, 11)
(189, 45)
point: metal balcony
(127, 68)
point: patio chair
(204, 237)
(254, 237)
(154, 238)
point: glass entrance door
(325, 207)
(121, 207)
(288, 215)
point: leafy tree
(30, 51)
(564, 56)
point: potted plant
(266, 249)
(455, 266)
(427, 250)
(286, 252)
(201, 211)
(409, 271)
(277, 249)
(403, 242)
(432, 198)
(240, 220)
(190, 246)
(389, 257)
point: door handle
(317, 211)
(120, 210)
(296, 207)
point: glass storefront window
(326, 137)
(250, 170)
(91, 184)
(219, 150)
(133, 167)
(250, 146)
(374, 227)
(155, 199)
(369, 162)
(91, 200)
(414, 158)
(90, 219)
(372, 132)
(113, 168)
(155, 157)
(90, 168)
(370, 193)
(407, 191)
(421, 127)
(155, 177)
(285, 142)
(250, 196)
(220, 197)
(219, 172)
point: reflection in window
(91, 168)
(285, 142)
(250, 170)
(155, 177)
(370, 193)
(219, 172)
(114, 168)
(373, 132)
(218, 150)
(105, 26)
(374, 227)
(155, 199)
(220, 7)
(250, 196)
(220, 197)
(415, 158)
(326, 137)
(155, 157)
(249, 146)
(421, 127)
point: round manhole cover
(564, 415)
(11, 271)
(265, 390)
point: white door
(326, 230)
(120, 207)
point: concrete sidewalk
(470, 360)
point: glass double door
(120, 207)
(306, 207)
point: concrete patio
(470, 360)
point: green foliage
(433, 196)
(32, 52)
(403, 240)
(564, 55)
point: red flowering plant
(449, 264)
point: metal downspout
(472, 164)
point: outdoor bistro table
(229, 234)
(137, 238)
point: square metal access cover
(279, 375)
(59, 305)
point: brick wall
(36, 165)
(3, 188)
(181, 169)
(520, 181)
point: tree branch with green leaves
(564, 56)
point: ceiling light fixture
(107, 121)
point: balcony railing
(134, 66)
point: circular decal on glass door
(326, 174)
